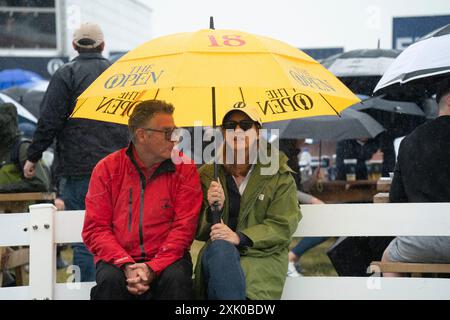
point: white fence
(43, 228)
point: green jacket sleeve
(281, 220)
(41, 180)
(203, 227)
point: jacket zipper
(141, 218)
(141, 204)
(130, 205)
(141, 208)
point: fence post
(42, 251)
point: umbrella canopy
(23, 113)
(360, 70)
(15, 92)
(32, 101)
(351, 125)
(17, 77)
(399, 107)
(206, 73)
(30, 96)
(427, 58)
(361, 63)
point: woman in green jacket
(246, 256)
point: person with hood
(246, 254)
(13, 154)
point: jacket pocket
(130, 208)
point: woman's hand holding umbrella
(221, 231)
(216, 199)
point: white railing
(43, 228)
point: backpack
(11, 172)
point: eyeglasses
(243, 124)
(172, 134)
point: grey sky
(352, 24)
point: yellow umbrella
(216, 69)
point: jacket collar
(89, 55)
(167, 166)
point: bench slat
(365, 288)
(12, 227)
(15, 293)
(27, 196)
(383, 219)
(69, 225)
(73, 291)
(378, 266)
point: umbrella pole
(213, 94)
(215, 215)
(320, 158)
(215, 212)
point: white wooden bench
(43, 228)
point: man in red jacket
(142, 212)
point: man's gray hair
(144, 111)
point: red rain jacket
(138, 215)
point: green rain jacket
(269, 215)
(13, 154)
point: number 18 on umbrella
(205, 73)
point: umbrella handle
(215, 215)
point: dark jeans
(222, 271)
(74, 191)
(174, 283)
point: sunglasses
(172, 134)
(243, 124)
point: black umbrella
(30, 98)
(361, 63)
(32, 101)
(398, 107)
(351, 125)
(360, 70)
(15, 92)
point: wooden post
(42, 251)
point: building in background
(37, 34)
(322, 53)
(406, 30)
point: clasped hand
(139, 276)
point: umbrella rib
(156, 95)
(330, 105)
(242, 95)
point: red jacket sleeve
(187, 204)
(97, 231)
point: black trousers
(174, 283)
